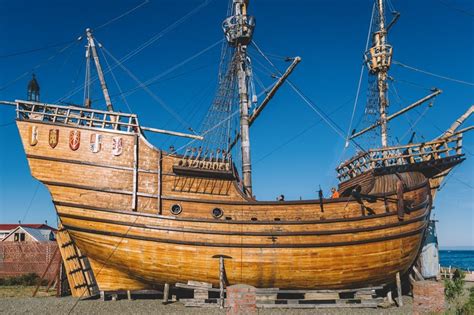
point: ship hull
(116, 209)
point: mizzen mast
(91, 48)
(238, 30)
(379, 58)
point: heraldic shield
(96, 142)
(53, 138)
(74, 139)
(117, 146)
(33, 135)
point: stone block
(241, 299)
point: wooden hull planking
(117, 210)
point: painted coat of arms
(53, 138)
(74, 139)
(117, 146)
(33, 135)
(96, 142)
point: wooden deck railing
(218, 160)
(400, 155)
(71, 115)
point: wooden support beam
(7, 103)
(221, 282)
(400, 112)
(399, 290)
(166, 293)
(160, 181)
(45, 271)
(463, 130)
(172, 133)
(274, 89)
(257, 111)
(458, 123)
(135, 173)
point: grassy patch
(23, 280)
(468, 308)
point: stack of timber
(204, 295)
(78, 271)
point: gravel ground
(53, 305)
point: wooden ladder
(79, 273)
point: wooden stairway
(79, 273)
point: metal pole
(103, 85)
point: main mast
(238, 29)
(379, 58)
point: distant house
(26, 233)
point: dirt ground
(18, 300)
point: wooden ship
(144, 216)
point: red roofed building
(6, 229)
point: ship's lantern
(176, 209)
(217, 213)
(33, 93)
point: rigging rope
(146, 44)
(7, 124)
(360, 81)
(31, 202)
(433, 74)
(331, 124)
(115, 80)
(173, 68)
(153, 95)
(24, 52)
(296, 136)
(178, 75)
(320, 113)
(449, 5)
(8, 84)
(122, 15)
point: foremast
(379, 58)
(91, 49)
(238, 29)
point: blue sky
(292, 153)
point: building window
(19, 237)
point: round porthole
(217, 213)
(176, 209)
